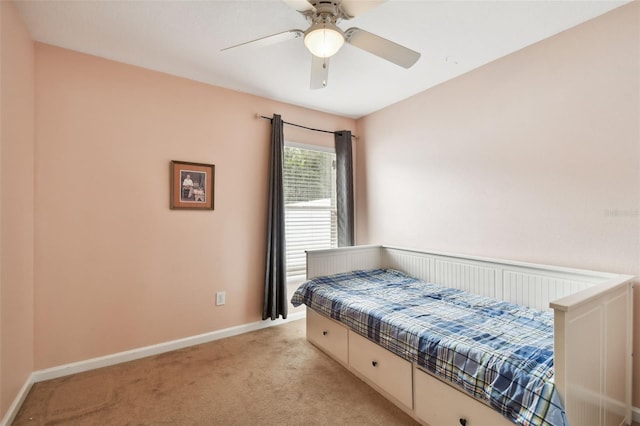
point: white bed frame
(592, 317)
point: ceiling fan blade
(268, 40)
(319, 72)
(386, 49)
(299, 5)
(355, 8)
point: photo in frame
(192, 185)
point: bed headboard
(525, 284)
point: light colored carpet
(268, 377)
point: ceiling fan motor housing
(326, 11)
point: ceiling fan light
(323, 40)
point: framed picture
(191, 185)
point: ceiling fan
(324, 38)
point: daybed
(577, 355)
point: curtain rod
(302, 127)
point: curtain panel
(344, 182)
(275, 282)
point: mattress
(498, 352)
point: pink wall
(533, 157)
(115, 268)
(16, 204)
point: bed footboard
(592, 316)
(592, 349)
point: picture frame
(191, 186)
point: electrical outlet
(220, 298)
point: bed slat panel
(468, 277)
(535, 291)
(321, 262)
(416, 265)
(526, 288)
(582, 400)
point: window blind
(309, 180)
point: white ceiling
(184, 38)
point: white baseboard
(17, 402)
(117, 358)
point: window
(309, 181)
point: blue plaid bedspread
(498, 352)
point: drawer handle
(463, 422)
(324, 333)
(374, 363)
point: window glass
(310, 204)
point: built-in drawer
(328, 335)
(437, 403)
(383, 368)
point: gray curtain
(344, 176)
(275, 282)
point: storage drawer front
(437, 403)
(381, 367)
(328, 335)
